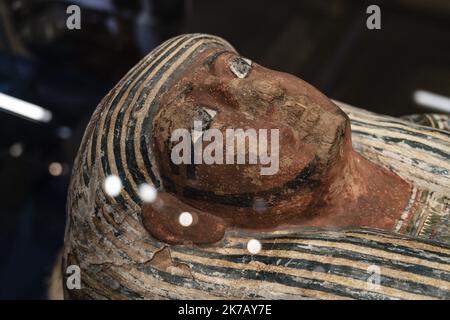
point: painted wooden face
(300, 129)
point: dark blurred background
(67, 72)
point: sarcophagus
(231, 180)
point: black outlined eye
(205, 116)
(240, 66)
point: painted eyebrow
(212, 58)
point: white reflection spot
(64, 132)
(147, 192)
(55, 169)
(112, 185)
(254, 246)
(16, 150)
(259, 205)
(185, 219)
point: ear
(162, 220)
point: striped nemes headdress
(119, 135)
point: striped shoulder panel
(352, 264)
(418, 154)
(359, 264)
(433, 120)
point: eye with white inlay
(203, 121)
(240, 66)
(212, 113)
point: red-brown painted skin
(342, 189)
